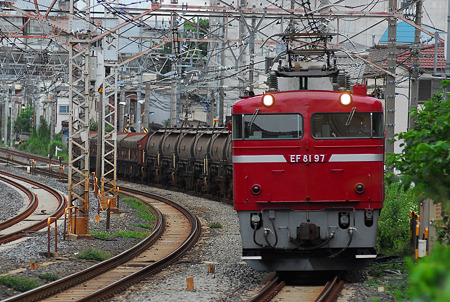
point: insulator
(347, 81)
(273, 81)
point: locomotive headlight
(255, 220)
(345, 99)
(344, 220)
(368, 217)
(268, 100)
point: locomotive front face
(308, 178)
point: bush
(138, 205)
(132, 234)
(100, 234)
(425, 157)
(39, 142)
(394, 225)
(144, 226)
(215, 225)
(19, 283)
(93, 254)
(48, 276)
(429, 280)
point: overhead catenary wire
(209, 73)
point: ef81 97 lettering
(307, 158)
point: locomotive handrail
(349, 146)
(268, 147)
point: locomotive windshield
(338, 125)
(267, 126)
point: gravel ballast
(233, 280)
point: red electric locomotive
(308, 179)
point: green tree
(166, 123)
(24, 122)
(39, 142)
(201, 28)
(425, 159)
(429, 280)
(393, 226)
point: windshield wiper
(350, 116)
(252, 120)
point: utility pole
(12, 136)
(53, 109)
(139, 101)
(147, 107)
(108, 189)
(139, 88)
(5, 115)
(416, 65)
(122, 108)
(2, 113)
(79, 98)
(447, 66)
(174, 84)
(252, 31)
(242, 47)
(390, 80)
(108, 77)
(100, 66)
(221, 97)
(37, 101)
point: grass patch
(132, 234)
(392, 275)
(147, 216)
(215, 225)
(48, 276)
(93, 254)
(373, 283)
(140, 207)
(19, 283)
(100, 234)
(144, 226)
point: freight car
(196, 159)
(308, 179)
(193, 159)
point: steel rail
(156, 267)
(272, 288)
(28, 156)
(62, 203)
(331, 290)
(268, 291)
(67, 282)
(32, 205)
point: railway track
(126, 274)
(277, 290)
(14, 156)
(32, 205)
(34, 217)
(176, 231)
(52, 168)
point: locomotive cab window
(347, 125)
(258, 126)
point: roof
(354, 67)
(426, 57)
(405, 34)
(378, 55)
